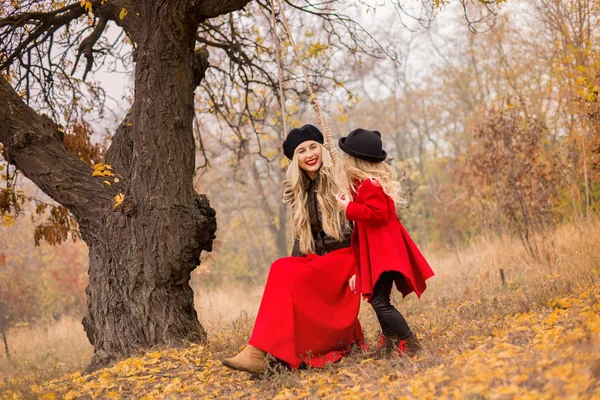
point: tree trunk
(277, 215)
(138, 295)
(4, 340)
(140, 263)
(141, 253)
(282, 234)
(3, 317)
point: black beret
(299, 135)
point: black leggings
(390, 319)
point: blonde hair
(295, 194)
(354, 169)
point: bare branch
(44, 25)
(86, 46)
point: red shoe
(410, 346)
(385, 346)
(389, 345)
(381, 342)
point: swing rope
(280, 73)
(329, 145)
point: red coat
(381, 243)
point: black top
(323, 243)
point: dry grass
(220, 307)
(467, 319)
(44, 352)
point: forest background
(493, 127)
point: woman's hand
(352, 283)
(342, 200)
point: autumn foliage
(514, 173)
(39, 284)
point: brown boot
(250, 359)
(411, 347)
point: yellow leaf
(108, 183)
(123, 13)
(8, 220)
(119, 199)
(86, 4)
(349, 374)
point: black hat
(299, 135)
(363, 144)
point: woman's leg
(273, 329)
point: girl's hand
(342, 200)
(352, 283)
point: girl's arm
(373, 210)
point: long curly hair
(354, 170)
(295, 194)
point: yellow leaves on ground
(123, 13)
(119, 199)
(545, 354)
(174, 373)
(102, 169)
(562, 304)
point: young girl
(384, 252)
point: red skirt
(308, 313)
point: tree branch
(87, 44)
(131, 23)
(42, 23)
(201, 64)
(213, 8)
(34, 144)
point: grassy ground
(538, 336)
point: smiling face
(310, 157)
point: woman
(308, 314)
